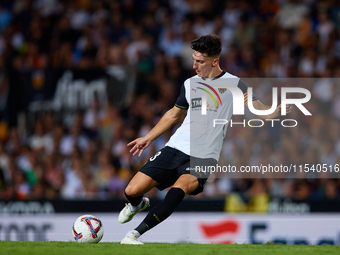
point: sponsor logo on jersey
(196, 102)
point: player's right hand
(139, 145)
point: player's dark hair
(208, 44)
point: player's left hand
(139, 145)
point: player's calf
(162, 211)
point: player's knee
(187, 186)
(182, 187)
(129, 191)
(132, 191)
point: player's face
(202, 64)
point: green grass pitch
(54, 248)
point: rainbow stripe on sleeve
(246, 98)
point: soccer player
(170, 167)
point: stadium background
(79, 79)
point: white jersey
(197, 135)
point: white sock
(137, 207)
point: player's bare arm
(165, 123)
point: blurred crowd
(90, 159)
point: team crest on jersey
(222, 90)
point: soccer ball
(88, 229)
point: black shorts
(168, 164)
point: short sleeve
(181, 100)
(244, 88)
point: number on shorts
(154, 157)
